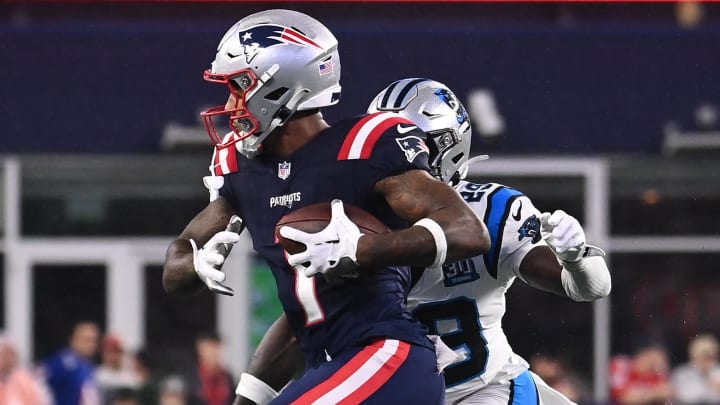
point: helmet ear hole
(457, 157)
(276, 94)
(283, 114)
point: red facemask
(242, 85)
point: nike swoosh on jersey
(404, 130)
(516, 216)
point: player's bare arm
(541, 269)
(179, 276)
(415, 195)
(275, 361)
(278, 357)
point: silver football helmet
(275, 62)
(436, 110)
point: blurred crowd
(72, 376)
(646, 376)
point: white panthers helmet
(436, 110)
(275, 62)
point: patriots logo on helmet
(530, 229)
(260, 37)
(452, 102)
(412, 146)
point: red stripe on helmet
(300, 37)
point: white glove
(565, 236)
(445, 355)
(208, 261)
(334, 246)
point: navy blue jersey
(343, 162)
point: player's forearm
(587, 279)
(275, 361)
(540, 268)
(278, 356)
(179, 277)
(416, 196)
(465, 236)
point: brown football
(316, 217)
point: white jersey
(465, 302)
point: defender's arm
(179, 276)
(566, 266)
(416, 196)
(275, 361)
(541, 269)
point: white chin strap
(463, 169)
(248, 147)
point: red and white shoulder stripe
(224, 160)
(361, 139)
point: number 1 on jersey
(307, 297)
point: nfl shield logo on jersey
(284, 170)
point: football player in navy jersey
(464, 301)
(357, 337)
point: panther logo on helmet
(452, 102)
(260, 37)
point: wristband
(255, 389)
(438, 236)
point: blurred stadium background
(609, 111)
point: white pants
(525, 389)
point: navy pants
(387, 371)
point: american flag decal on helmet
(325, 68)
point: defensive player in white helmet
(464, 301)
